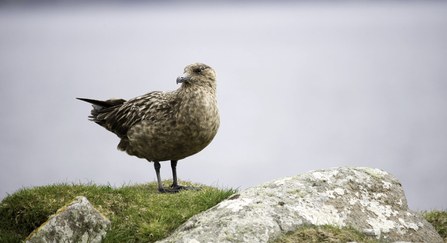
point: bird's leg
(175, 186)
(174, 173)
(161, 189)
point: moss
(371, 172)
(310, 234)
(298, 193)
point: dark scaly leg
(157, 167)
(175, 186)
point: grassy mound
(138, 213)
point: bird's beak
(184, 78)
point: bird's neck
(196, 90)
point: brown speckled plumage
(165, 125)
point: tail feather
(104, 104)
(109, 115)
(100, 106)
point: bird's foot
(177, 187)
(163, 190)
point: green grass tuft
(137, 212)
(439, 221)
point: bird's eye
(197, 70)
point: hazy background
(302, 86)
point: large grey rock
(368, 199)
(77, 221)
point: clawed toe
(189, 188)
(177, 188)
(168, 190)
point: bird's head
(198, 74)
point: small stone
(77, 221)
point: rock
(368, 199)
(77, 221)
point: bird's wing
(119, 119)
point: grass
(439, 220)
(326, 234)
(139, 214)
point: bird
(165, 125)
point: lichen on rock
(77, 221)
(367, 199)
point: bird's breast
(199, 114)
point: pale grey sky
(302, 87)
